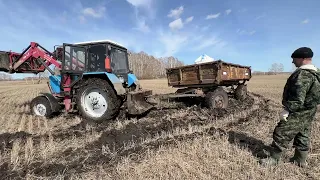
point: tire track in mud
(145, 134)
(79, 130)
(154, 116)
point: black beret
(303, 52)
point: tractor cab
(94, 57)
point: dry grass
(185, 143)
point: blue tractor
(93, 79)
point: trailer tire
(217, 99)
(40, 106)
(241, 92)
(96, 90)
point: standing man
(301, 96)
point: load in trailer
(94, 79)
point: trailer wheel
(217, 99)
(40, 106)
(97, 100)
(241, 92)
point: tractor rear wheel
(97, 100)
(217, 99)
(40, 106)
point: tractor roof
(100, 41)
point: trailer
(213, 81)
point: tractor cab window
(74, 58)
(119, 61)
(96, 57)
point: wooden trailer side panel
(173, 77)
(183, 76)
(189, 75)
(208, 73)
(192, 75)
(234, 73)
(217, 73)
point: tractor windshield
(119, 61)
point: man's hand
(284, 114)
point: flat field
(172, 143)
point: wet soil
(114, 144)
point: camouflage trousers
(296, 128)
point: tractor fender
(54, 103)
(117, 84)
(114, 80)
(133, 80)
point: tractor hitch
(137, 102)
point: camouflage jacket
(302, 90)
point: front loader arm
(34, 59)
(32, 53)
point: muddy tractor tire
(40, 106)
(96, 100)
(241, 92)
(217, 99)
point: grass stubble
(184, 143)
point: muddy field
(180, 142)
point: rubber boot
(300, 158)
(272, 160)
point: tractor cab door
(119, 60)
(97, 54)
(74, 59)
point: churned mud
(134, 136)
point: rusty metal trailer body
(210, 81)
(217, 73)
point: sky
(246, 32)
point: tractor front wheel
(40, 106)
(96, 100)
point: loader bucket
(4, 62)
(136, 102)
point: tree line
(145, 66)
(5, 76)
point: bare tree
(5, 77)
(276, 68)
(148, 67)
